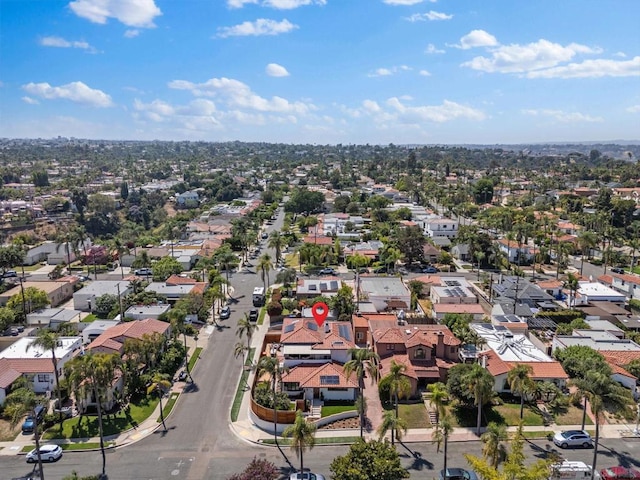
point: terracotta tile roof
(309, 376)
(544, 369)
(430, 280)
(303, 331)
(606, 279)
(178, 280)
(627, 278)
(31, 365)
(495, 365)
(385, 364)
(621, 371)
(429, 336)
(388, 335)
(319, 240)
(620, 357)
(135, 329)
(334, 341)
(8, 374)
(549, 284)
(359, 321)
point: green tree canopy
(368, 460)
(34, 299)
(165, 267)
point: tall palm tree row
(265, 266)
(441, 436)
(480, 382)
(493, 449)
(363, 361)
(272, 367)
(246, 328)
(399, 387)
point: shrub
(274, 309)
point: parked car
(253, 315)
(573, 438)
(458, 474)
(225, 312)
(182, 376)
(620, 473)
(48, 453)
(617, 270)
(306, 476)
(10, 274)
(144, 272)
(430, 269)
(327, 271)
(264, 236)
(29, 423)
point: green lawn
(73, 446)
(334, 409)
(506, 414)
(87, 426)
(263, 313)
(194, 358)
(237, 400)
(89, 318)
(573, 416)
(168, 406)
(511, 414)
(319, 441)
(415, 414)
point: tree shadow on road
(546, 452)
(419, 463)
(624, 459)
(191, 387)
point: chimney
(440, 346)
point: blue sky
(321, 71)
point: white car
(573, 438)
(48, 453)
(306, 476)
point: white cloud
(634, 109)
(131, 33)
(592, 69)
(431, 49)
(431, 15)
(275, 70)
(525, 58)
(262, 26)
(77, 92)
(437, 113)
(30, 101)
(278, 4)
(133, 13)
(385, 72)
(477, 38)
(60, 42)
(402, 2)
(560, 116)
(425, 73)
(236, 94)
(371, 106)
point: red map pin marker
(320, 312)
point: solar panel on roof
(312, 326)
(329, 380)
(500, 328)
(344, 331)
(289, 328)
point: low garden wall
(263, 417)
(334, 418)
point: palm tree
(572, 285)
(302, 436)
(492, 448)
(160, 384)
(479, 257)
(246, 328)
(48, 340)
(441, 436)
(271, 365)
(602, 390)
(264, 265)
(438, 396)
(276, 241)
(177, 317)
(520, 382)
(480, 382)
(586, 241)
(391, 422)
(18, 403)
(363, 360)
(399, 386)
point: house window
(291, 386)
(337, 389)
(419, 353)
(43, 378)
(359, 336)
(391, 346)
(452, 350)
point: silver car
(48, 453)
(573, 438)
(306, 476)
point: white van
(571, 471)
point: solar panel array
(329, 380)
(289, 328)
(312, 326)
(345, 331)
(455, 292)
(452, 283)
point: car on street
(182, 376)
(143, 272)
(573, 438)
(458, 474)
(264, 236)
(253, 315)
(617, 270)
(327, 271)
(225, 312)
(48, 453)
(430, 269)
(306, 476)
(10, 274)
(620, 473)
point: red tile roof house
(315, 356)
(428, 351)
(112, 340)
